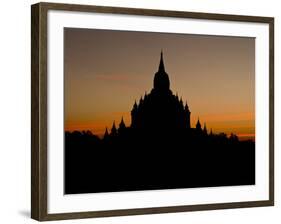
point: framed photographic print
(138, 111)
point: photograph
(140, 111)
(157, 111)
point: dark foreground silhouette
(159, 150)
(144, 162)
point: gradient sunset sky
(106, 71)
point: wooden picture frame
(39, 109)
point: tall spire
(161, 80)
(161, 64)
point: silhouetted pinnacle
(161, 64)
(122, 124)
(113, 129)
(161, 80)
(205, 128)
(186, 107)
(141, 100)
(181, 102)
(198, 125)
(106, 133)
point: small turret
(186, 108)
(181, 102)
(134, 113)
(113, 130)
(106, 134)
(198, 125)
(145, 96)
(141, 101)
(135, 108)
(187, 115)
(122, 124)
(205, 131)
(122, 127)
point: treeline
(136, 159)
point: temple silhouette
(158, 150)
(160, 110)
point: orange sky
(106, 71)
